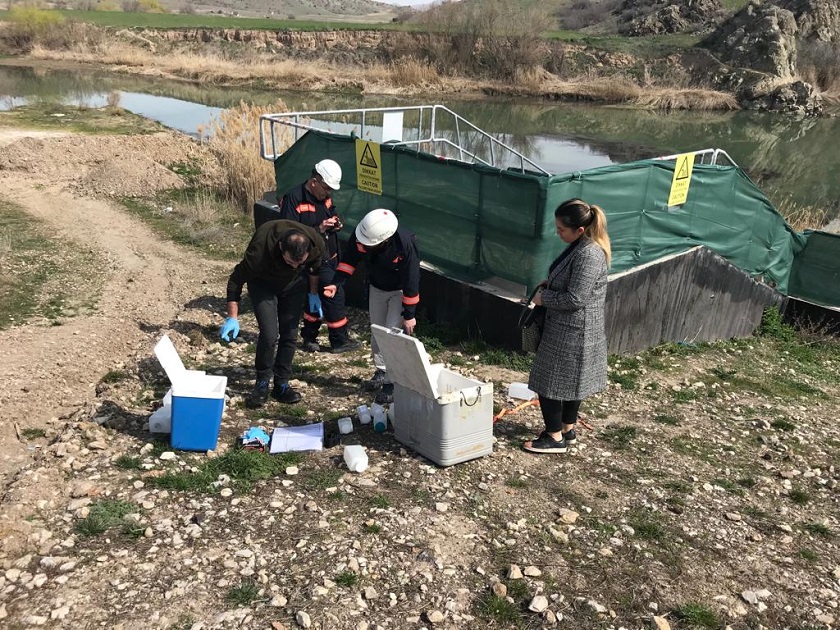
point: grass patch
(243, 467)
(322, 479)
(619, 436)
(730, 486)
(114, 376)
(49, 116)
(372, 528)
(516, 482)
(683, 396)
(799, 496)
(666, 419)
(380, 502)
(783, 425)
(490, 355)
(624, 371)
(243, 594)
(196, 218)
(808, 555)
(498, 610)
(103, 515)
(127, 462)
(40, 277)
(347, 579)
(697, 616)
(817, 529)
(32, 434)
(648, 525)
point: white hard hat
(330, 172)
(376, 227)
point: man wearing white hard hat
(393, 277)
(311, 203)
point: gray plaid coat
(571, 361)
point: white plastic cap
(330, 172)
(376, 227)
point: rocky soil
(703, 491)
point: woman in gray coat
(571, 361)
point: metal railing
(436, 130)
(703, 156)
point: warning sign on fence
(681, 180)
(368, 167)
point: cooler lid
(406, 361)
(169, 360)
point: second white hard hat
(376, 227)
(330, 172)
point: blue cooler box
(198, 402)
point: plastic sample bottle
(380, 421)
(355, 457)
(364, 414)
(345, 425)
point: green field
(178, 20)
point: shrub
(29, 26)
(234, 139)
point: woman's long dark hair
(574, 213)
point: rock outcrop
(757, 51)
(656, 17)
(815, 19)
(761, 37)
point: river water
(793, 160)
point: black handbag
(531, 324)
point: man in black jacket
(311, 203)
(283, 259)
(394, 279)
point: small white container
(365, 418)
(380, 421)
(363, 410)
(345, 425)
(521, 391)
(355, 457)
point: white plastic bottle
(364, 414)
(380, 421)
(355, 457)
(345, 425)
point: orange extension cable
(536, 403)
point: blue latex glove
(230, 329)
(315, 305)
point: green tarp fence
(481, 223)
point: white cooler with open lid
(442, 415)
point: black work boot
(376, 381)
(341, 341)
(310, 345)
(285, 394)
(259, 395)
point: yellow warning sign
(682, 180)
(368, 167)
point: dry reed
(695, 99)
(802, 217)
(234, 139)
(409, 71)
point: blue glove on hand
(230, 329)
(315, 305)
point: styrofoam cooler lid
(406, 361)
(169, 360)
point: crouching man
(281, 263)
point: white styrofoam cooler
(442, 415)
(198, 401)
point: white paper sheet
(309, 437)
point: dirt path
(48, 371)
